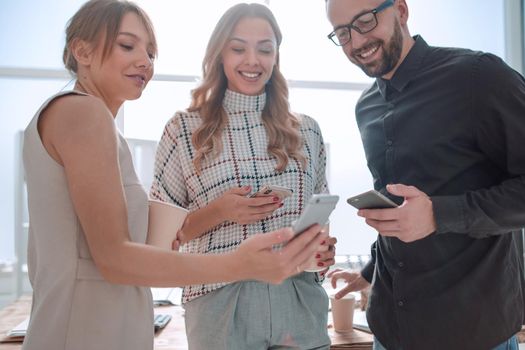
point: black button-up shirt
(452, 123)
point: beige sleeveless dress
(73, 306)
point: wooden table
(173, 336)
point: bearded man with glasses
(443, 132)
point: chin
(254, 91)
(134, 96)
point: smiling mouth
(140, 79)
(365, 53)
(250, 75)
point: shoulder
(77, 114)
(183, 119)
(491, 68)
(309, 126)
(306, 121)
(460, 60)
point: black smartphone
(317, 211)
(371, 200)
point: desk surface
(173, 336)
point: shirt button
(400, 303)
(400, 264)
(389, 142)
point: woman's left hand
(327, 257)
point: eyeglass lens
(362, 24)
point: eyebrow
(353, 19)
(264, 41)
(128, 34)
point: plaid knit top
(244, 160)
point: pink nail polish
(317, 256)
(320, 264)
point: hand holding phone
(371, 200)
(273, 190)
(317, 211)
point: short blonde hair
(97, 20)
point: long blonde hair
(282, 127)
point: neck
(407, 45)
(84, 85)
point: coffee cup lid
(347, 296)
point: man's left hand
(411, 221)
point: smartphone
(371, 200)
(273, 190)
(317, 211)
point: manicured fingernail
(317, 256)
(276, 199)
(320, 264)
(247, 188)
(323, 242)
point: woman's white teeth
(369, 52)
(250, 75)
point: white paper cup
(165, 220)
(343, 312)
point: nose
(251, 57)
(144, 61)
(358, 39)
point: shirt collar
(235, 102)
(407, 69)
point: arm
(170, 185)
(79, 132)
(499, 124)
(234, 206)
(321, 183)
(354, 282)
(498, 105)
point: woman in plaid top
(237, 136)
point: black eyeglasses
(364, 23)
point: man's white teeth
(369, 52)
(250, 75)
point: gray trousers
(254, 315)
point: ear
(402, 9)
(82, 51)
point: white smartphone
(371, 200)
(273, 190)
(317, 211)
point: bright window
(31, 36)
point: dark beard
(391, 55)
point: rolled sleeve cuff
(449, 214)
(368, 271)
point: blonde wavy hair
(282, 127)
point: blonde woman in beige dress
(88, 263)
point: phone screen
(317, 211)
